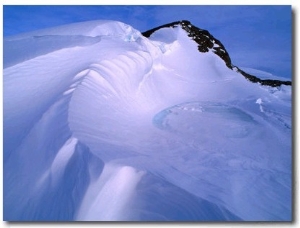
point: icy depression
(104, 124)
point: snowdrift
(104, 124)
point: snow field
(101, 123)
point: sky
(258, 37)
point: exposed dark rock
(207, 42)
(268, 82)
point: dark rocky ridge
(206, 42)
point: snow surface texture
(104, 124)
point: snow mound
(104, 124)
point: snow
(259, 102)
(117, 186)
(101, 123)
(62, 158)
(262, 74)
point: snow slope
(102, 123)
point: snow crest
(103, 124)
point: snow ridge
(206, 42)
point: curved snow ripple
(118, 104)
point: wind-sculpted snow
(16, 51)
(104, 124)
(206, 42)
